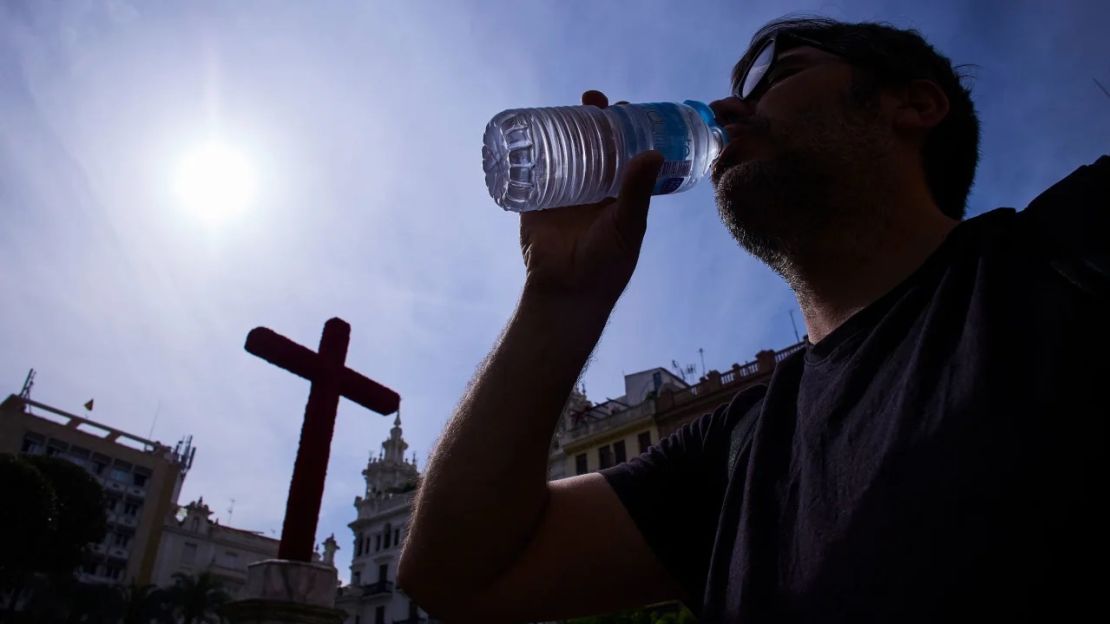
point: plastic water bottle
(537, 158)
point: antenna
(683, 370)
(25, 393)
(1101, 87)
(701, 353)
(157, 408)
(794, 325)
(230, 510)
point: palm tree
(144, 603)
(197, 598)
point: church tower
(379, 529)
(389, 473)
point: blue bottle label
(669, 135)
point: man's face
(803, 156)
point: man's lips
(739, 142)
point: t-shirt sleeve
(674, 491)
(1070, 224)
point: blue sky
(362, 122)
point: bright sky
(349, 133)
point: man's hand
(587, 253)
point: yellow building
(592, 437)
(141, 480)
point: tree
(671, 613)
(81, 519)
(197, 598)
(144, 603)
(24, 527)
(44, 537)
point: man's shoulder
(1068, 225)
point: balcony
(643, 411)
(377, 589)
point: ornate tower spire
(395, 446)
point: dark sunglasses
(764, 60)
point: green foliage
(59, 510)
(27, 522)
(80, 518)
(145, 603)
(672, 613)
(197, 598)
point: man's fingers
(635, 195)
(595, 98)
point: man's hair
(896, 56)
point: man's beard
(822, 186)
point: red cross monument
(330, 379)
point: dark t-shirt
(940, 455)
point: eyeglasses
(764, 60)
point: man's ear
(922, 105)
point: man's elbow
(426, 591)
(444, 599)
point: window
(140, 477)
(32, 444)
(379, 615)
(356, 578)
(604, 456)
(645, 441)
(55, 448)
(377, 542)
(383, 572)
(131, 508)
(119, 473)
(358, 546)
(388, 532)
(113, 570)
(100, 463)
(189, 554)
(618, 452)
(580, 464)
(397, 536)
(231, 559)
(122, 538)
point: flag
(89, 405)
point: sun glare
(215, 181)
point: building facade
(655, 404)
(193, 542)
(676, 407)
(591, 437)
(141, 479)
(372, 597)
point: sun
(215, 181)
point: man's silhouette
(936, 452)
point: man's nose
(731, 110)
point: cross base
(287, 592)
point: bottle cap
(707, 116)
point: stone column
(287, 592)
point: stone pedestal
(287, 592)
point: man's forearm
(485, 487)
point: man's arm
(488, 533)
(490, 538)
